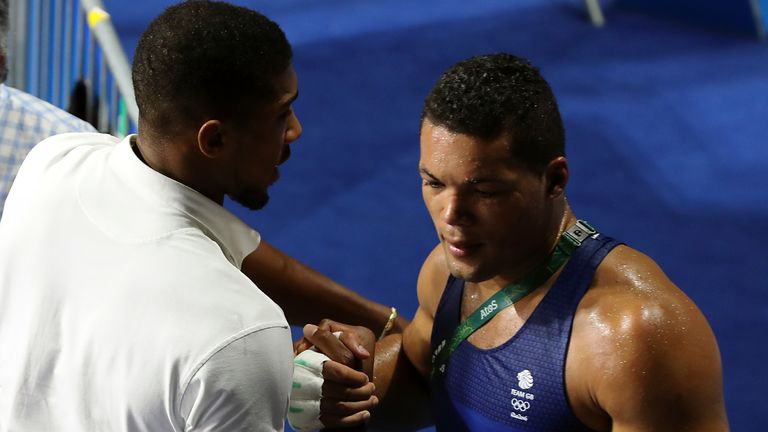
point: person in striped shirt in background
(24, 119)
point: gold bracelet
(389, 324)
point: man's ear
(556, 176)
(210, 140)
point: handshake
(333, 377)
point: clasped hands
(348, 392)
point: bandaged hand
(306, 391)
(327, 391)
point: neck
(173, 161)
(560, 221)
(566, 220)
(148, 150)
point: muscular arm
(307, 296)
(644, 357)
(403, 362)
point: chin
(467, 272)
(252, 201)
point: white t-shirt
(122, 306)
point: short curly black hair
(206, 59)
(490, 95)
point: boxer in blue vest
(530, 319)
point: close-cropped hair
(496, 95)
(203, 60)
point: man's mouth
(275, 176)
(460, 248)
(285, 155)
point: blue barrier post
(33, 53)
(60, 43)
(760, 13)
(66, 46)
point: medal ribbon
(572, 238)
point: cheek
(500, 220)
(432, 203)
(266, 155)
(427, 198)
(250, 167)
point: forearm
(307, 296)
(403, 393)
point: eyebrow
(481, 180)
(427, 173)
(291, 100)
(472, 181)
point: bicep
(264, 263)
(430, 287)
(243, 386)
(666, 376)
(416, 341)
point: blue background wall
(725, 15)
(666, 127)
(763, 6)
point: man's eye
(486, 193)
(431, 183)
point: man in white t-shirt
(122, 302)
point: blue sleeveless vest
(519, 385)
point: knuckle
(325, 323)
(330, 371)
(366, 390)
(346, 358)
(354, 395)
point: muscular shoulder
(416, 337)
(630, 285)
(636, 330)
(631, 296)
(432, 278)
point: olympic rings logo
(519, 405)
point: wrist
(388, 326)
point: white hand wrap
(307, 389)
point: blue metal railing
(67, 52)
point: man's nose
(455, 211)
(294, 129)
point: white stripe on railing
(102, 27)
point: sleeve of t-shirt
(244, 386)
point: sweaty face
(487, 209)
(263, 144)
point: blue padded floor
(665, 127)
